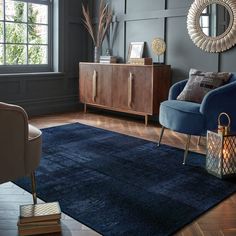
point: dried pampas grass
(104, 20)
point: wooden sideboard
(134, 89)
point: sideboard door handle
(94, 85)
(130, 89)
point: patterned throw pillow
(200, 83)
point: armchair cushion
(182, 116)
(200, 83)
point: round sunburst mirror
(211, 24)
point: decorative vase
(96, 54)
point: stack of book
(40, 218)
(108, 59)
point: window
(205, 21)
(25, 28)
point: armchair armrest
(219, 100)
(176, 89)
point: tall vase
(96, 54)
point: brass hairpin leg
(186, 148)
(33, 186)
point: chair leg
(33, 187)
(186, 148)
(199, 140)
(161, 135)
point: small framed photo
(135, 50)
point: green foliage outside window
(1, 46)
(16, 39)
(35, 53)
(1, 34)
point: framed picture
(135, 50)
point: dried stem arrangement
(104, 20)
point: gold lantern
(221, 151)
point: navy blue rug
(121, 185)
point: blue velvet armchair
(195, 119)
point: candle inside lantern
(226, 154)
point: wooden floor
(221, 220)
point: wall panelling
(42, 93)
(136, 20)
(143, 20)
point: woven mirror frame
(219, 43)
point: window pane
(38, 34)
(24, 33)
(1, 54)
(16, 33)
(16, 54)
(204, 21)
(1, 32)
(16, 11)
(38, 13)
(38, 54)
(205, 31)
(1, 9)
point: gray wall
(140, 20)
(53, 92)
(137, 20)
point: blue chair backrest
(233, 77)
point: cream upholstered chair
(20, 145)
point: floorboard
(221, 220)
